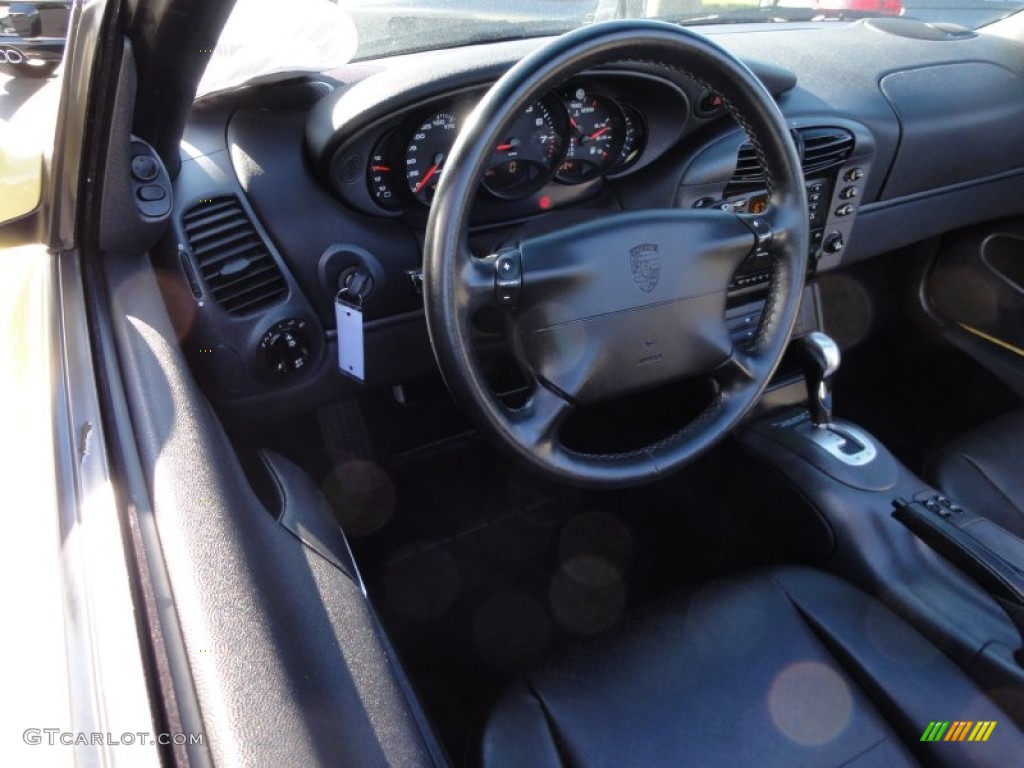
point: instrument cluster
(574, 135)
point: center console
(832, 200)
(829, 493)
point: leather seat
(785, 667)
(984, 471)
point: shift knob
(821, 360)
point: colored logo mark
(958, 730)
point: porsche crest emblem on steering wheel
(645, 264)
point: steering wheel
(624, 303)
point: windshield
(265, 37)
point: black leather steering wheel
(586, 322)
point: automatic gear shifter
(821, 360)
(843, 441)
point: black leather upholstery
(785, 667)
(984, 471)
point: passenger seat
(984, 471)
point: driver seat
(780, 667)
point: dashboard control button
(144, 168)
(151, 193)
(816, 237)
(508, 266)
(834, 243)
(149, 182)
(286, 347)
(508, 278)
(507, 295)
(415, 277)
(849, 193)
(854, 174)
(762, 231)
(844, 210)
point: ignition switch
(356, 282)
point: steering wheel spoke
(736, 372)
(537, 423)
(476, 284)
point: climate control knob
(833, 244)
(286, 347)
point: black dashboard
(288, 192)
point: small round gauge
(426, 154)
(595, 136)
(634, 137)
(526, 157)
(382, 177)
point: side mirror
(27, 111)
(21, 175)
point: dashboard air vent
(825, 147)
(820, 148)
(232, 257)
(748, 167)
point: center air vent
(748, 166)
(820, 148)
(232, 257)
(825, 147)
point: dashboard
(289, 192)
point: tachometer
(426, 154)
(595, 136)
(526, 157)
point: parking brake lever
(1003, 580)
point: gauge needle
(380, 168)
(512, 144)
(431, 172)
(590, 137)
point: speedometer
(427, 152)
(527, 155)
